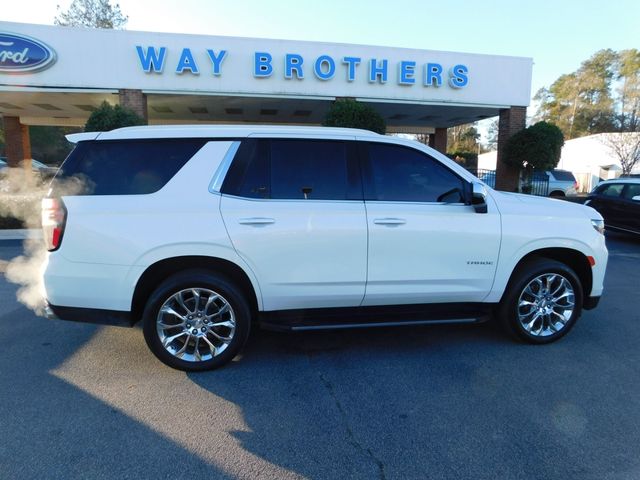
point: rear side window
(401, 174)
(286, 169)
(126, 167)
(563, 176)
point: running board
(388, 324)
(367, 317)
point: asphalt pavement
(439, 402)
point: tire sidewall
(508, 310)
(197, 279)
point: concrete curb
(20, 234)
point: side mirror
(479, 197)
(636, 198)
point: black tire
(557, 194)
(507, 311)
(197, 279)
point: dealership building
(58, 75)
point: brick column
(134, 100)
(18, 144)
(438, 140)
(511, 120)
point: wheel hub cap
(195, 324)
(546, 304)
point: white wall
(108, 59)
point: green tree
(49, 145)
(629, 90)
(352, 114)
(107, 117)
(537, 147)
(581, 103)
(92, 14)
(463, 138)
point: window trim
(367, 176)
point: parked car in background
(618, 201)
(45, 172)
(562, 183)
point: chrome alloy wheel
(546, 304)
(195, 324)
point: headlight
(598, 225)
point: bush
(351, 114)
(107, 117)
(537, 147)
(469, 160)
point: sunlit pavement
(80, 401)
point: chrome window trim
(218, 178)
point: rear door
(294, 211)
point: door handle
(256, 221)
(389, 221)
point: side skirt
(367, 317)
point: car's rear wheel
(542, 302)
(196, 320)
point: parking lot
(82, 401)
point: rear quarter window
(563, 176)
(124, 167)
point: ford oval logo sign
(21, 54)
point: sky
(557, 34)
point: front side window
(402, 174)
(611, 190)
(632, 190)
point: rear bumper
(89, 315)
(591, 302)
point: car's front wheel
(542, 302)
(196, 320)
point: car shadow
(50, 428)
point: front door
(425, 244)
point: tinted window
(292, 170)
(611, 190)
(404, 174)
(127, 167)
(315, 169)
(248, 175)
(631, 191)
(563, 176)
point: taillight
(54, 218)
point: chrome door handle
(389, 221)
(256, 221)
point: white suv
(202, 231)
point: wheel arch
(574, 259)
(159, 271)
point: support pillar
(17, 143)
(511, 120)
(134, 100)
(438, 140)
